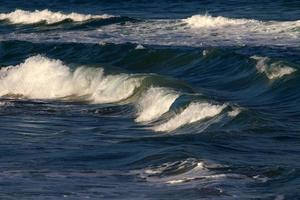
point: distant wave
(207, 21)
(195, 31)
(31, 17)
(39, 77)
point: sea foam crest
(39, 77)
(207, 21)
(272, 70)
(30, 17)
(43, 78)
(190, 170)
(155, 102)
(194, 112)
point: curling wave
(31, 17)
(154, 103)
(39, 77)
(43, 78)
(194, 112)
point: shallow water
(160, 100)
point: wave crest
(154, 103)
(194, 112)
(207, 21)
(273, 70)
(39, 77)
(43, 78)
(31, 17)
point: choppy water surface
(139, 100)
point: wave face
(154, 103)
(31, 17)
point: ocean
(168, 100)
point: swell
(46, 16)
(39, 77)
(196, 31)
(168, 88)
(45, 20)
(231, 70)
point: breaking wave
(43, 78)
(31, 17)
(39, 77)
(207, 21)
(272, 69)
(194, 112)
(255, 26)
(154, 103)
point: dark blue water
(149, 100)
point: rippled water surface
(149, 100)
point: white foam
(177, 172)
(195, 31)
(194, 112)
(30, 17)
(6, 104)
(272, 70)
(244, 26)
(235, 112)
(207, 21)
(42, 78)
(189, 170)
(139, 46)
(154, 103)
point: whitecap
(139, 46)
(235, 112)
(273, 70)
(40, 77)
(30, 17)
(207, 21)
(192, 113)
